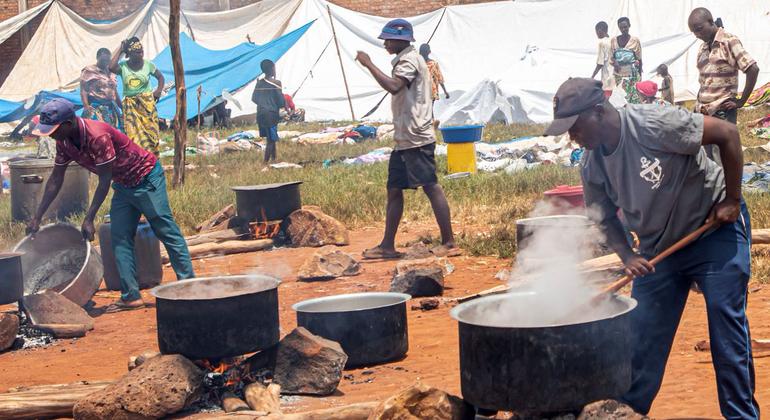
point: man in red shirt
(136, 177)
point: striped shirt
(718, 65)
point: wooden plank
(46, 401)
(226, 248)
(217, 219)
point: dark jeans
(720, 264)
(713, 150)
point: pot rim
(89, 248)
(9, 255)
(297, 307)
(456, 314)
(157, 291)
(264, 187)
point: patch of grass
(484, 206)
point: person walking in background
(413, 162)
(667, 84)
(436, 77)
(719, 59)
(604, 52)
(99, 91)
(626, 60)
(139, 188)
(140, 114)
(269, 98)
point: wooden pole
(339, 55)
(180, 119)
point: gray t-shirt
(659, 176)
(412, 106)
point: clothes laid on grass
(136, 82)
(720, 264)
(412, 106)
(412, 168)
(627, 72)
(148, 198)
(140, 121)
(101, 143)
(759, 96)
(718, 65)
(659, 175)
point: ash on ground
(30, 337)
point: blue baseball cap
(398, 29)
(52, 114)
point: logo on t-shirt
(652, 172)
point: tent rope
(310, 72)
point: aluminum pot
(58, 258)
(217, 317)
(267, 202)
(370, 327)
(28, 179)
(11, 278)
(515, 364)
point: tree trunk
(180, 119)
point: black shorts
(412, 168)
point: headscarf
(135, 46)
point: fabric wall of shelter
(504, 59)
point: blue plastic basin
(462, 133)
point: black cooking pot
(216, 317)
(514, 364)
(370, 327)
(11, 278)
(268, 201)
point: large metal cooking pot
(268, 201)
(58, 258)
(11, 278)
(370, 327)
(510, 361)
(28, 178)
(216, 317)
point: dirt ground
(688, 390)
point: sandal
(122, 306)
(378, 253)
(444, 251)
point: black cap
(573, 97)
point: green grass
(484, 206)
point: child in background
(647, 91)
(269, 99)
(667, 86)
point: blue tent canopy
(213, 70)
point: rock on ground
(427, 304)
(423, 402)
(52, 308)
(329, 263)
(9, 327)
(419, 282)
(310, 227)
(136, 361)
(161, 386)
(308, 364)
(432, 262)
(609, 409)
(263, 398)
(418, 251)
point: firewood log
(64, 330)
(226, 248)
(263, 398)
(46, 401)
(231, 403)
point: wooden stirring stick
(617, 285)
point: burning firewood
(231, 403)
(218, 219)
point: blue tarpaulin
(213, 70)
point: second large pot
(510, 360)
(370, 327)
(217, 317)
(267, 202)
(11, 278)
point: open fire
(265, 229)
(229, 377)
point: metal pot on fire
(512, 357)
(267, 202)
(370, 327)
(217, 317)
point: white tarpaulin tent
(502, 60)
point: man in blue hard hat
(413, 162)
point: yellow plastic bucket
(461, 157)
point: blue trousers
(128, 205)
(720, 264)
